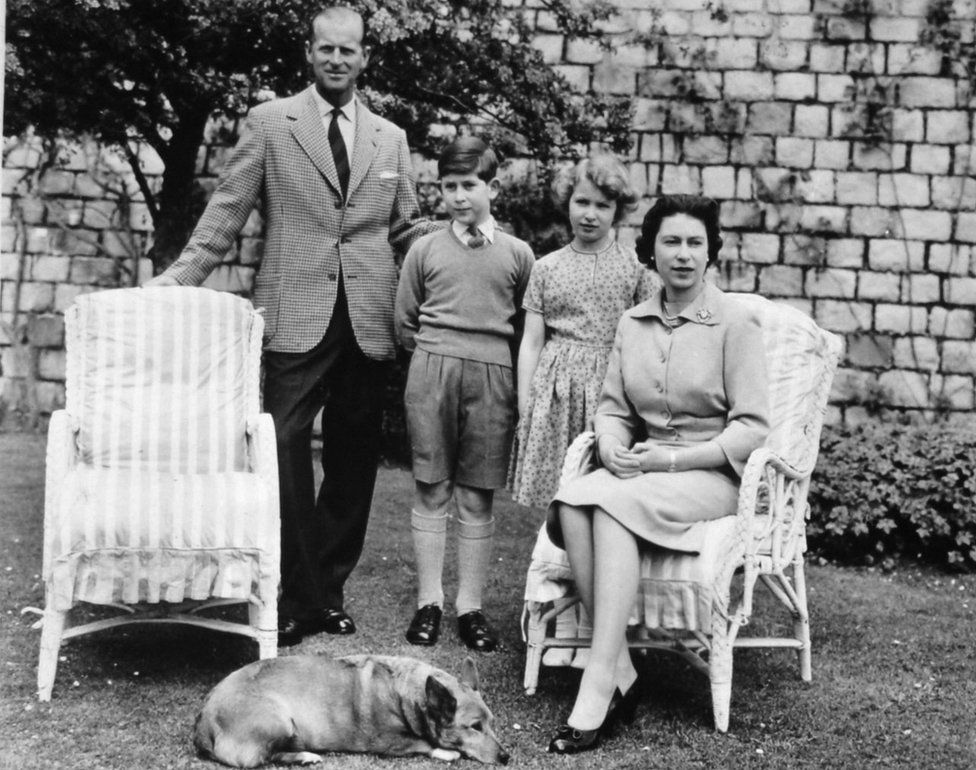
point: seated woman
(683, 405)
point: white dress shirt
(486, 228)
(347, 120)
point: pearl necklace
(668, 313)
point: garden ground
(894, 670)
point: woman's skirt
(659, 507)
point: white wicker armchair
(162, 481)
(764, 542)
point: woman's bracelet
(671, 462)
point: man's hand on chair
(161, 280)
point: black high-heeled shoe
(623, 707)
(569, 740)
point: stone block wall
(838, 135)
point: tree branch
(141, 180)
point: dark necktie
(339, 154)
(476, 240)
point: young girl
(575, 297)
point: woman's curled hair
(705, 210)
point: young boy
(459, 294)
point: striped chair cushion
(677, 590)
(143, 536)
(549, 575)
(158, 378)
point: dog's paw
(445, 755)
(296, 758)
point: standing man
(338, 196)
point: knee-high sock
(474, 558)
(429, 539)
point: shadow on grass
(894, 682)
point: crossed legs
(605, 561)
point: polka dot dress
(581, 298)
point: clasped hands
(627, 463)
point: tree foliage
(125, 71)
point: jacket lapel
(311, 136)
(364, 146)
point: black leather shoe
(292, 630)
(289, 631)
(334, 621)
(425, 626)
(569, 740)
(475, 632)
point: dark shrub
(884, 492)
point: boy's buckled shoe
(425, 626)
(475, 632)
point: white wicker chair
(162, 482)
(765, 541)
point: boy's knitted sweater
(454, 300)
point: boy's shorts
(459, 415)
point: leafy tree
(126, 71)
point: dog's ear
(441, 704)
(469, 674)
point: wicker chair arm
(580, 457)
(766, 472)
(774, 488)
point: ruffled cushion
(141, 536)
(549, 575)
(678, 590)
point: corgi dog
(287, 710)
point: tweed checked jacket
(284, 160)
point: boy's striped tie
(475, 239)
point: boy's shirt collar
(486, 228)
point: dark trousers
(322, 539)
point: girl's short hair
(705, 210)
(605, 172)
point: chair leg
(263, 618)
(801, 623)
(535, 634)
(720, 675)
(47, 663)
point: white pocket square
(388, 175)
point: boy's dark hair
(705, 210)
(326, 9)
(468, 155)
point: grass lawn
(894, 665)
